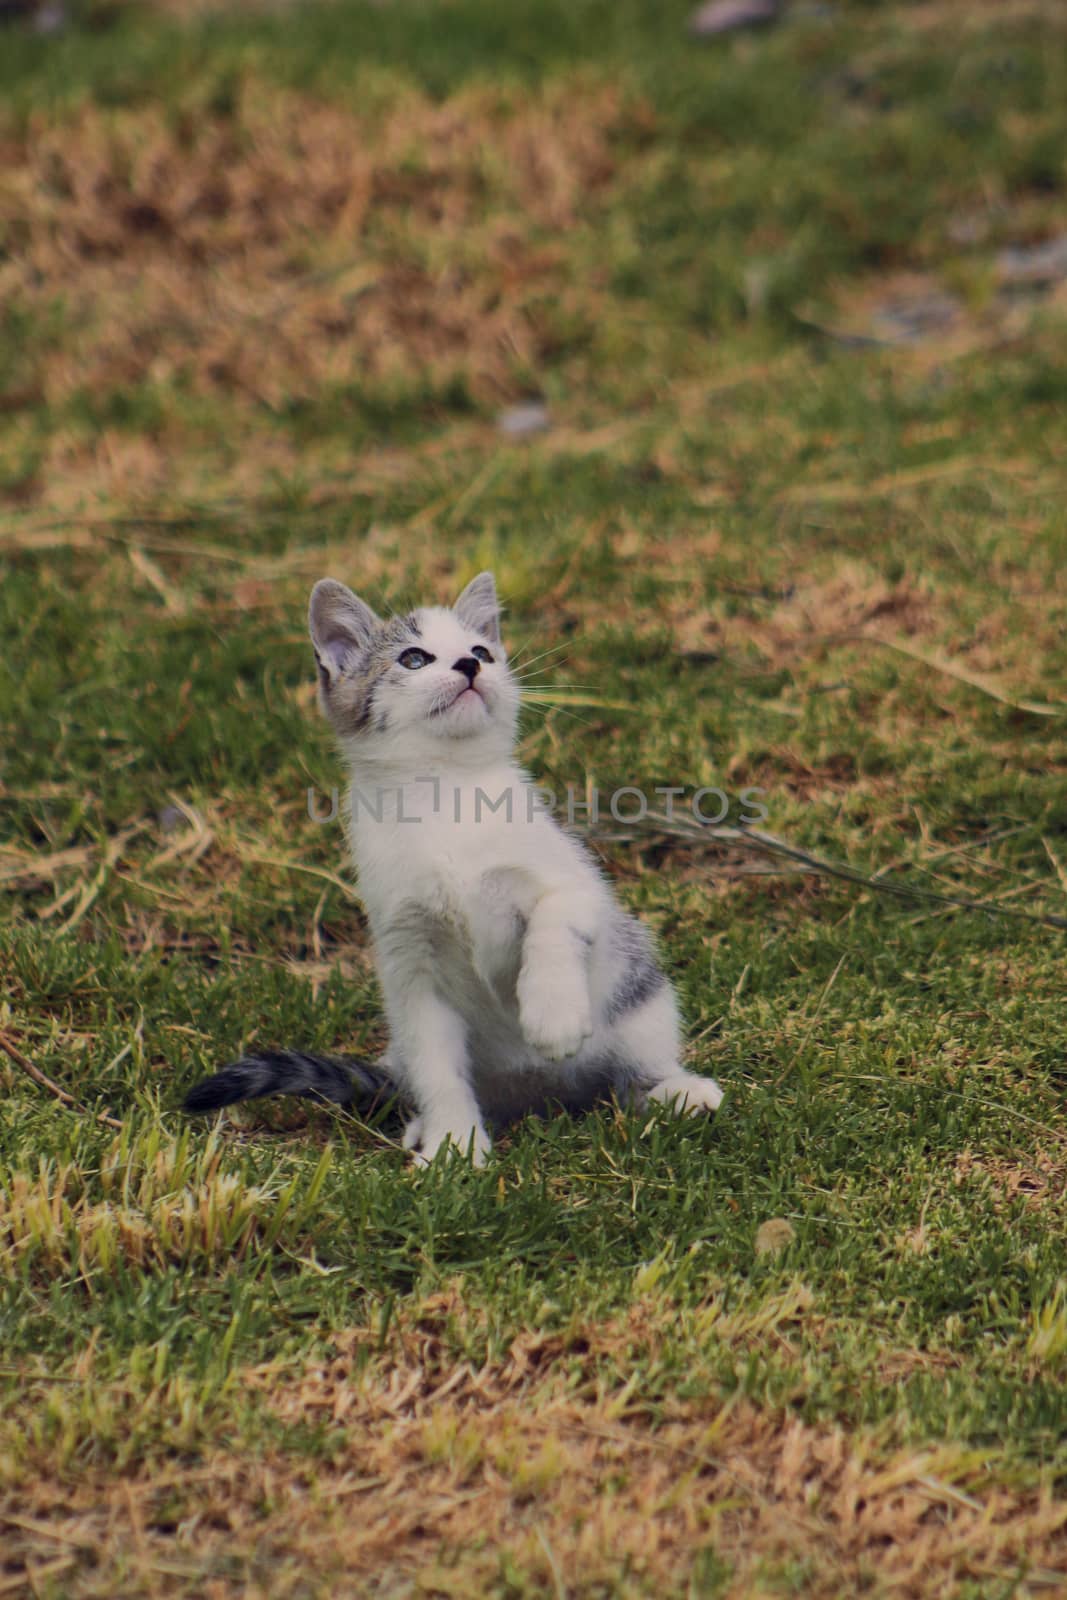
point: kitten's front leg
(429, 1041)
(555, 1012)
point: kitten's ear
(479, 607)
(341, 626)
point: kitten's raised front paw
(555, 1022)
(424, 1141)
(686, 1094)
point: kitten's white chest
(465, 865)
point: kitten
(512, 979)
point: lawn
(794, 303)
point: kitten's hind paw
(686, 1094)
(471, 1144)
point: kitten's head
(414, 687)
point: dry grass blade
(152, 573)
(11, 1050)
(554, 1566)
(912, 478)
(984, 685)
(195, 843)
(568, 697)
(35, 1072)
(838, 869)
(89, 892)
(767, 843)
(27, 868)
(24, 1582)
(946, 1492)
(1061, 870)
(301, 866)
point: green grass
(273, 1340)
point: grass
(268, 284)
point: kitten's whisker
(524, 677)
(562, 689)
(545, 706)
(536, 666)
(539, 660)
(522, 649)
(519, 660)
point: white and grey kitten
(512, 978)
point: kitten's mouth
(465, 697)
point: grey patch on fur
(341, 1080)
(520, 922)
(640, 976)
(360, 710)
(350, 693)
(352, 700)
(392, 635)
(583, 938)
(396, 631)
(542, 1094)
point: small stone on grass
(518, 422)
(725, 16)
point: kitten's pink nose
(468, 665)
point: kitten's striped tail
(340, 1079)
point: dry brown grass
(813, 610)
(1040, 1182)
(442, 1474)
(937, 15)
(286, 244)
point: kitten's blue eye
(480, 653)
(413, 659)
